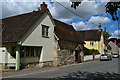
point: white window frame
(45, 31)
(91, 43)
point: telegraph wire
(75, 13)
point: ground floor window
(27, 51)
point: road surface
(93, 66)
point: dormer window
(45, 31)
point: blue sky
(88, 13)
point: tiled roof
(15, 27)
(90, 35)
(66, 32)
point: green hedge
(90, 51)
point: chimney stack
(43, 6)
(114, 41)
(100, 27)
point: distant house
(115, 41)
(114, 47)
(107, 48)
(36, 38)
(93, 39)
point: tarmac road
(93, 66)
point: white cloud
(92, 23)
(116, 34)
(15, 8)
(99, 19)
(79, 25)
(85, 10)
(65, 20)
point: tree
(111, 8)
(106, 35)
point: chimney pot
(43, 6)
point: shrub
(90, 51)
(94, 51)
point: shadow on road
(80, 75)
(90, 76)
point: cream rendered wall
(99, 45)
(34, 38)
(96, 45)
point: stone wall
(40, 65)
(65, 57)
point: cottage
(68, 40)
(93, 39)
(114, 47)
(37, 38)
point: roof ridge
(20, 14)
(88, 30)
(62, 22)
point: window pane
(45, 31)
(22, 51)
(27, 51)
(91, 43)
(32, 51)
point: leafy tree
(106, 35)
(111, 8)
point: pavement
(45, 69)
(91, 67)
(6, 70)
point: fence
(90, 57)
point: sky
(86, 16)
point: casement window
(45, 31)
(91, 43)
(27, 51)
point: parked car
(105, 57)
(115, 55)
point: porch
(14, 56)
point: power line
(75, 13)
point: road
(93, 66)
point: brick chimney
(43, 6)
(114, 41)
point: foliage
(75, 4)
(111, 8)
(86, 51)
(90, 51)
(106, 35)
(94, 51)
